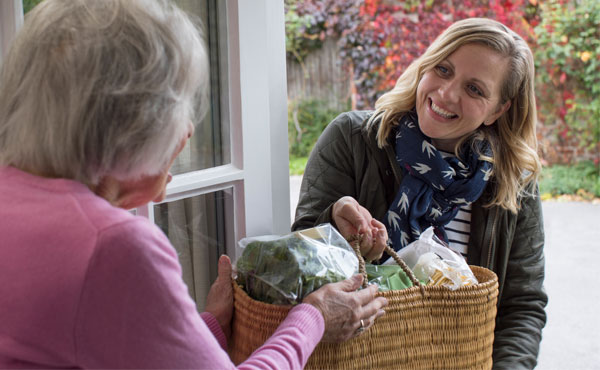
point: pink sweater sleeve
(214, 327)
(135, 312)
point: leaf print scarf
(433, 188)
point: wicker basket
(425, 327)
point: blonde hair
(512, 138)
(92, 88)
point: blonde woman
(96, 102)
(452, 145)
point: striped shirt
(458, 229)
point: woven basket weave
(425, 327)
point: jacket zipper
(489, 258)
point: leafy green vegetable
(285, 270)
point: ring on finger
(361, 328)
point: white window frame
(257, 114)
(11, 19)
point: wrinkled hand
(220, 296)
(343, 308)
(351, 219)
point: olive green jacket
(347, 161)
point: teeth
(441, 112)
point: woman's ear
(501, 110)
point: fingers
(349, 217)
(379, 241)
(224, 267)
(370, 312)
(342, 307)
(366, 299)
(366, 323)
(375, 308)
(219, 301)
(372, 247)
(369, 307)
(349, 285)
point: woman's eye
(475, 90)
(442, 70)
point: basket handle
(355, 240)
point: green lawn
(297, 165)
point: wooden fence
(321, 75)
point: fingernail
(380, 313)
(222, 260)
(357, 279)
(381, 234)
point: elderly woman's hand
(347, 312)
(220, 296)
(352, 219)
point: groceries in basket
(390, 277)
(434, 263)
(460, 323)
(284, 269)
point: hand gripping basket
(424, 327)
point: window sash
(11, 19)
(254, 101)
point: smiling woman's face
(460, 94)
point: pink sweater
(85, 284)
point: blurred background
(344, 54)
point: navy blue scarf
(433, 188)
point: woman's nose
(449, 91)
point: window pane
(209, 147)
(197, 229)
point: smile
(442, 112)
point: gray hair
(93, 88)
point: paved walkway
(571, 339)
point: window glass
(196, 225)
(209, 147)
(197, 229)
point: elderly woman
(452, 145)
(96, 101)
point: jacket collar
(385, 159)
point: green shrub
(306, 121)
(568, 68)
(583, 177)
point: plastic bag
(285, 269)
(433, 262)
(390, 277)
